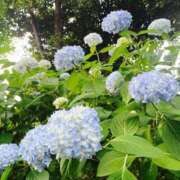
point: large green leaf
(137, 146)
(112, 162)
(170, 132)
(35, 175)
(127, 175)
(170, 110)
(168, 163)
(124, 122)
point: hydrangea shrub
(112, 113)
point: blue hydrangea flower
(93, 39)
(34, 148)
(78, 133)
(9, 154)
(66, 58)
(153, 86)
(116, 21)
(114, 82)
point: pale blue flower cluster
(34, 147)
(93, 39)
(153, 86)
(116, 21)
(68, 57)
(161, 25)
(74, 133)
(114, 82)
(78, 133)
(9, 154)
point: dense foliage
(109, 114)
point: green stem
(97, 54)
(124, 166)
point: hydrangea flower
(93, 39)
(44, 64)
(59, 102)
(20, 67)
(161, 25)
(78, 133)
(66, 58)
(116, 21)
(34, 147)
(153, 86)
(114, 82)
(25, 63)
(64, 76)
(9, 154)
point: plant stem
(124, 166)
(97, 54)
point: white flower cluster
(45, 64)
(74, 133)
(161, 25)
(93, 39)
(114, 82)
(59, 102)
(24, 64)
(28, 63)
(9, 154)
(78, 133)
(66, 58)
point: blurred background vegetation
(54, 23)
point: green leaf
(122, 126)
(124, 122)
(106, 49)
(75, 82)
(112, 162)
(6, 63)
(168, 163)
(103, 113)
(149, 171)
(170, 110)
(125, 93)
(106, 124)
(83, 96)
(118, 52)
(170, 132)
(6, 173)
(137, 146)
(5, 138)
(118, 176)
(35, 175)
(88, 56)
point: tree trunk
(35, 31)
(58, 23)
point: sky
(20, 48)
